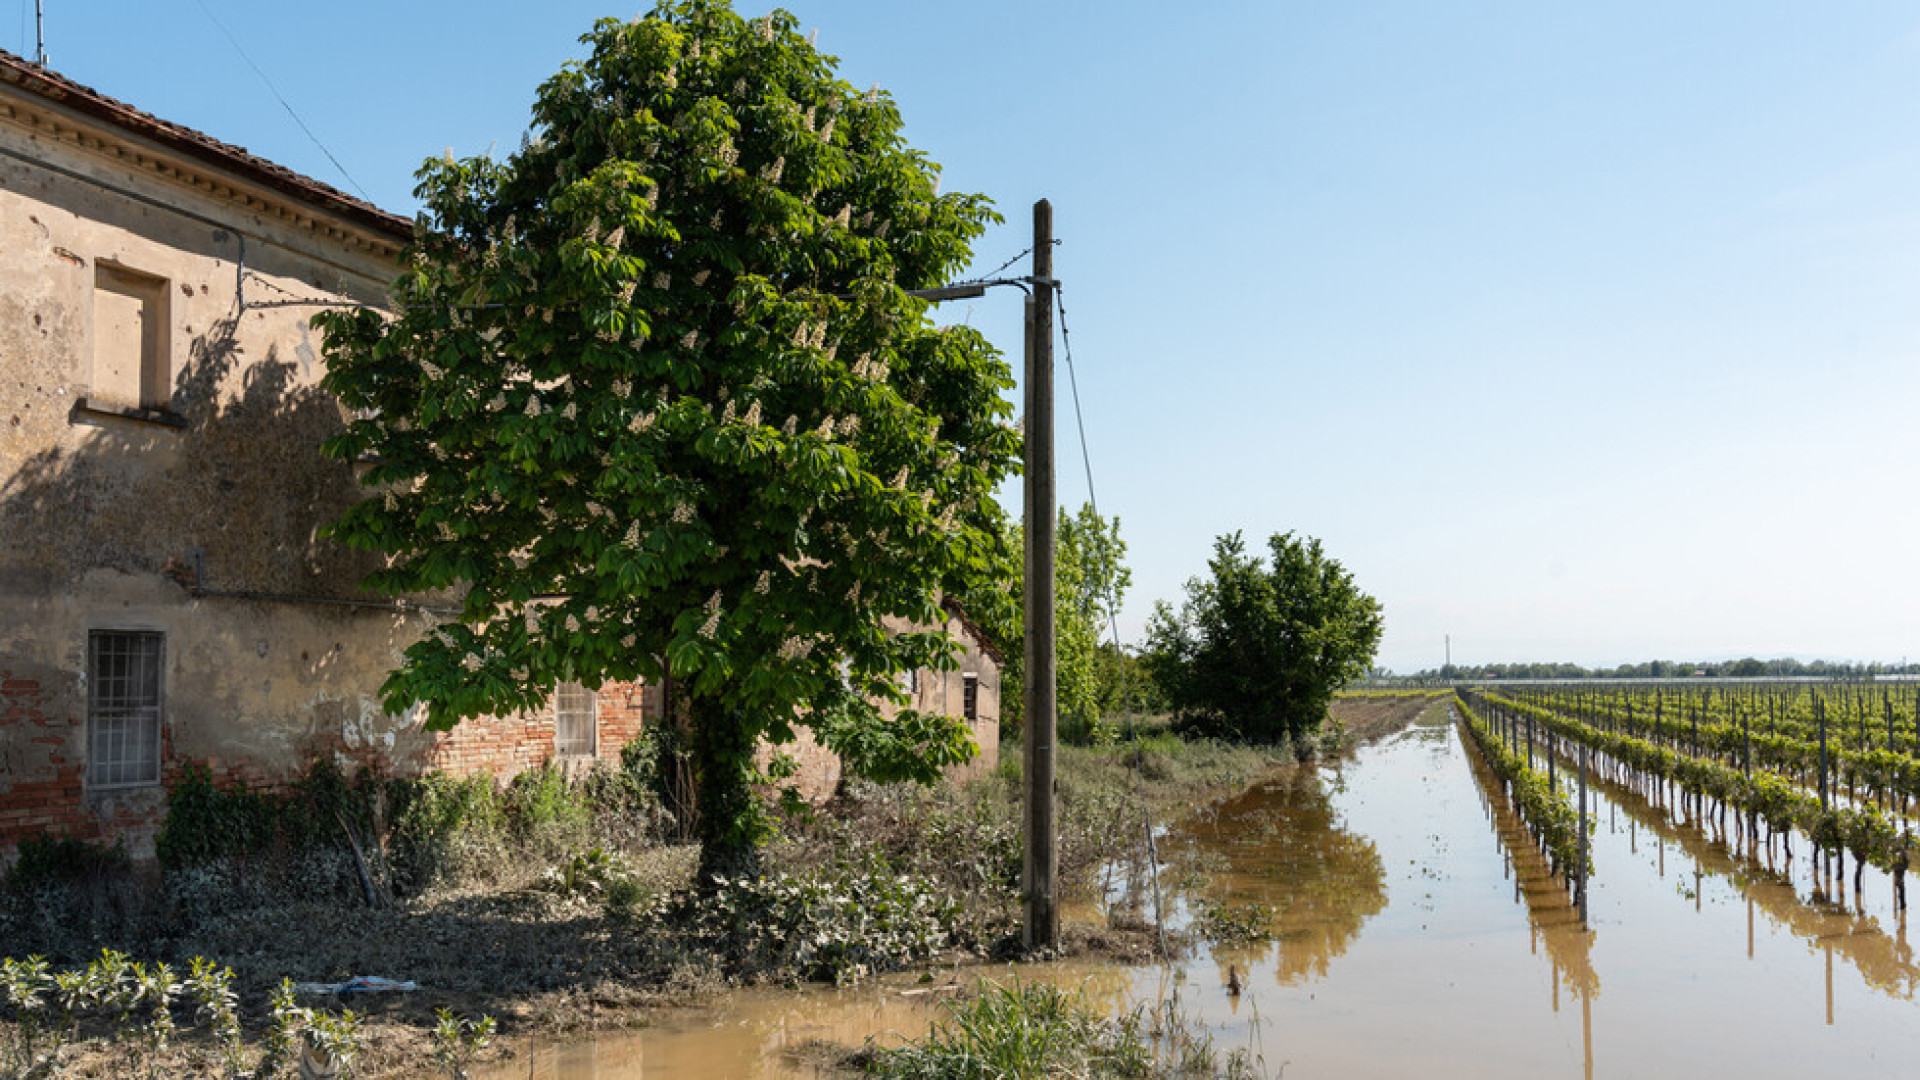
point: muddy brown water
(1416, 936)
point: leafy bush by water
(837, 924)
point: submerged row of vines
(1542, 800)
(1779, 761)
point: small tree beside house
(653, 398)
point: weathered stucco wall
(119, 516)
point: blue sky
(1582, 333)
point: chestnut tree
(653, 398)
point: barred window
(970, 696)
(123, 707)
(573, 719)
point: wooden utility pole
(1041, 926)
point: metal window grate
(970, 697)
(123, 707)
(573, 719)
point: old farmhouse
(164, 595)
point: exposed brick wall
(57, 802)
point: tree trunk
(731, 818)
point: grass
(1038, 1031)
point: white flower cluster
(712, 624)
(795, 649)
(641, 422)
(682, 513)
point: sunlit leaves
(652, 389)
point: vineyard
(1837, 764)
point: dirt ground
(1367, 717)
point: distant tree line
(1745, 668)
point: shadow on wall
(232, 501)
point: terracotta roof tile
(23, 74)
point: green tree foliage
(1090, 576)
(1258, 650)
(653, 398)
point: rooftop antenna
(40, 33)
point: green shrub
(446, 825)
(546, 812)
(837, 924)
(47, 860)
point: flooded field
(1416, 935)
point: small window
(970, 696)
(573, 719)
(123, 708)
(130, 338)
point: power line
(1093, 500)
(235, 42)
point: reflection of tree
(1886, 963)
(1278, 846)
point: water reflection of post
(1586, 1030)
(1829, 986)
